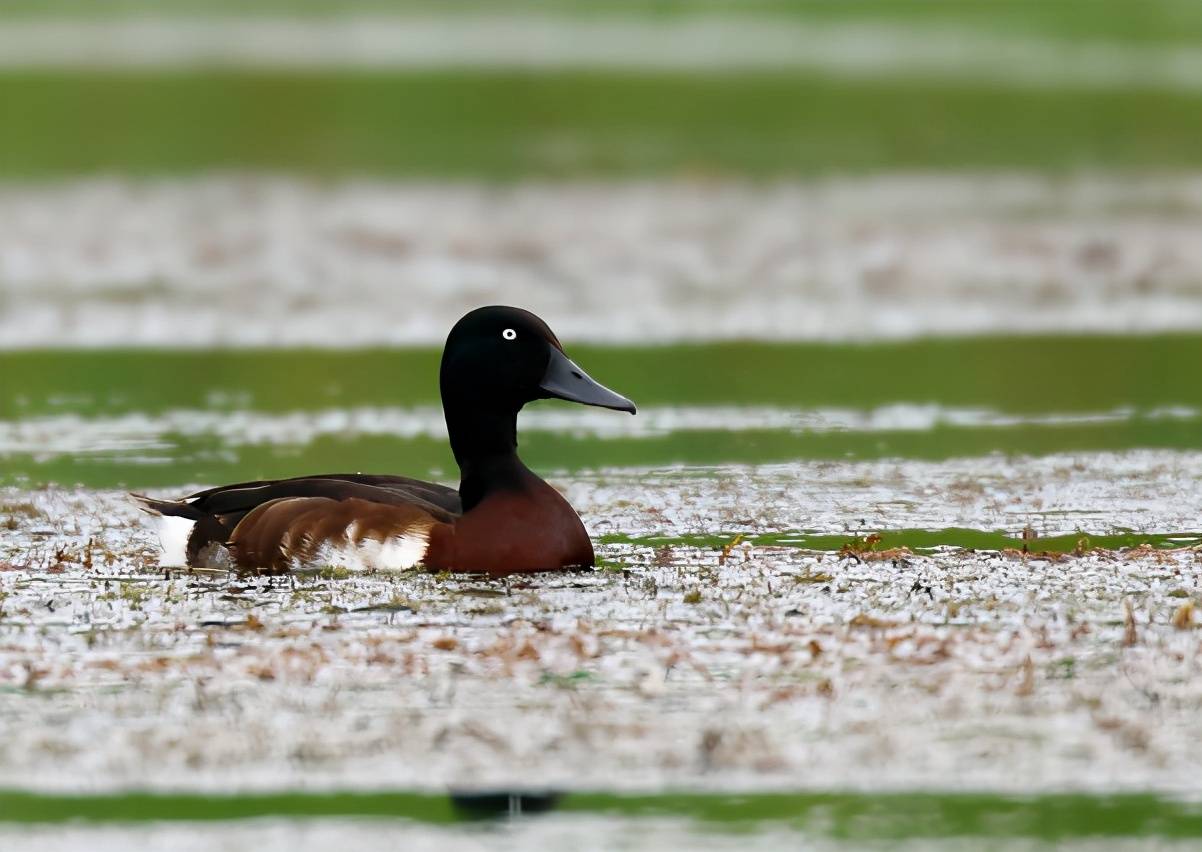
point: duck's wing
(244, 496)
(312, 532)
(219, 516)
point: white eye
(509, 334)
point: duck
(502, 519)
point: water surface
(140, 419)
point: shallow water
(574, 834)
(978, 574)
(142, 419)
(840, 584)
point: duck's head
(502, 358)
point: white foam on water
(259, 261)
(548, 43)
(688, 669)
(547, 832)
(149, 438)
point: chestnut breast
(516, 530)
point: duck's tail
(167, 508)
(186, 533)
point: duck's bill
(565, 380)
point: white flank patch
(173, 535)
(403, 551)
(395, 553)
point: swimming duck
(503, 519)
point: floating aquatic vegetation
(212, 679)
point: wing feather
(243, 496)
(266, 515)
(292, 532)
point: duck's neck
(485, 445)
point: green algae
(849, 816)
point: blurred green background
(938, 84)
(452, 94)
